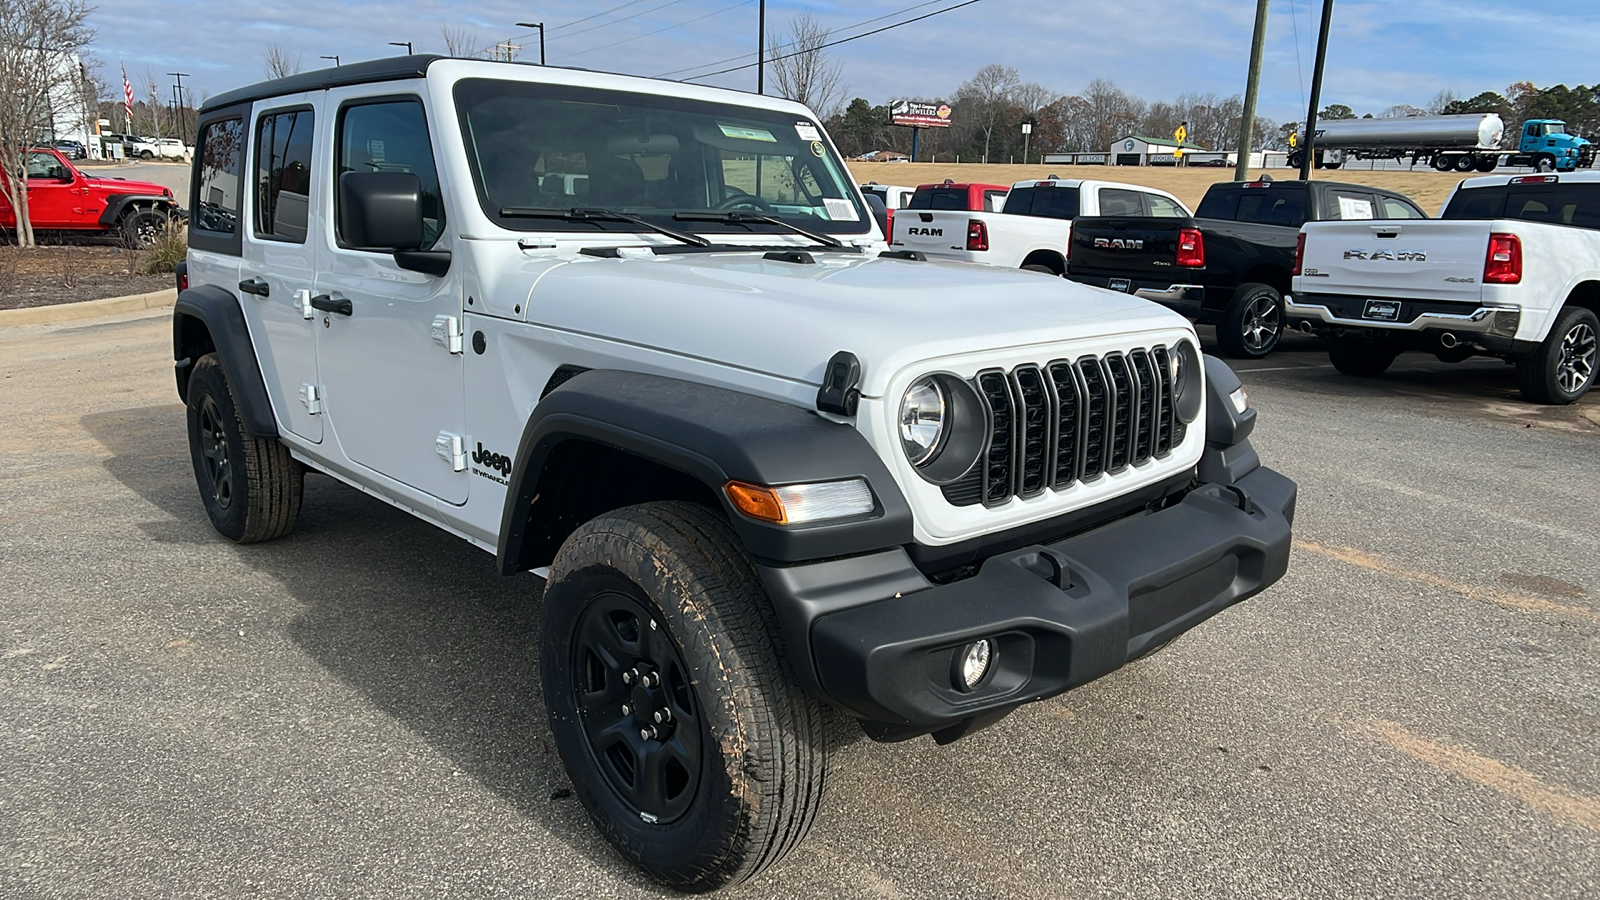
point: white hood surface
(786, 319)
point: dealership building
(1138, 150)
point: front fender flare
(117, 204)
(219, 312)
(713, 435)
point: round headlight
(1188, 382)
(922, 420)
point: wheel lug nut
(662, 716)
(629, 676)
(650, 679)
(627, 710)
(647, 733)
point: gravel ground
(353, 711)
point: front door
(394, 392)
(55, 198)
(279, 266)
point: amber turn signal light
(756, 501)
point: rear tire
(1562, 369)
(251, 487)
(734, 778)
(1252, 324)
(1360, 357)
(1466, 163)
(1443, 163)
(1488, 163)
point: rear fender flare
(218, 313)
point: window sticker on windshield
(807, 131)
(1354, 208)
(840, 210)
(817, 149)
(748, 134)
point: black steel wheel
(688, 743)
(1562, 369)
(641, 724)
(251, 487)
(1252, 324)
(141, 227)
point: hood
(122, 186)
(786, 319)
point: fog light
(973, 663)
(1241, 399)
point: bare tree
(461, 41)
(280, 61)
(39, 43)
(801, 71)
(1441, 100)
(986, 99)
(1401, 111)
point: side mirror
(380, 210)
(880, 213)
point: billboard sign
(919, 115)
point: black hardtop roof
(395, 68)
(1295, 182)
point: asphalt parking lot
(353, 711)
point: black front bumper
(883, 642)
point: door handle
(330, 303)
(256, 286)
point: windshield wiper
(735, 217)
(592, 214)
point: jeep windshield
(554, 147)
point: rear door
(279, 267)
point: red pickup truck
(61, 198)
(952, 196)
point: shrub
(169, 248)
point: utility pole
(761, 50)
(405, 44)
(1309, 147)
(1247, 124)
(177, 107)
(509, 49)
(540, 26)
(335, 59)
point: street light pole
(1316, 93)
(540, 26)
(183, 117)
(335, 59)
(761, 50)
(405, 44)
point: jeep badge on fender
(779, 480)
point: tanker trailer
(1463, 143)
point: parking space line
(1574, 809)
(1486, 595)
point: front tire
(1252, 324)
(686, 739)
(1359, 357)
(141, 227)
(1562, 369)
(1544, 163)
(251, 487)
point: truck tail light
(1503, 264)
(889, 224)
(977, 235)
(1299, 252)
(1191, 248)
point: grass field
(1428, 188)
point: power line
(621, 20)
(794, 43)
(840, 41)
(660, 30)
(597, 15)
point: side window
(283, 175)
(45, 166)
(1115, 202)
(1353, 206)
(1399, 209)
(1533, 131)
(220, 165)
(1161, 207)
(392, 136)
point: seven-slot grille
(1068, 421)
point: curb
(88, 309)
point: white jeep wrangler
(644, 338)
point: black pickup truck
(1231, 264)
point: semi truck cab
(1549, 138)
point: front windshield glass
(552, 147)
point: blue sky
(1380, 54)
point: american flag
(127, 95)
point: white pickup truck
(1510, 269)
(1033, 229)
